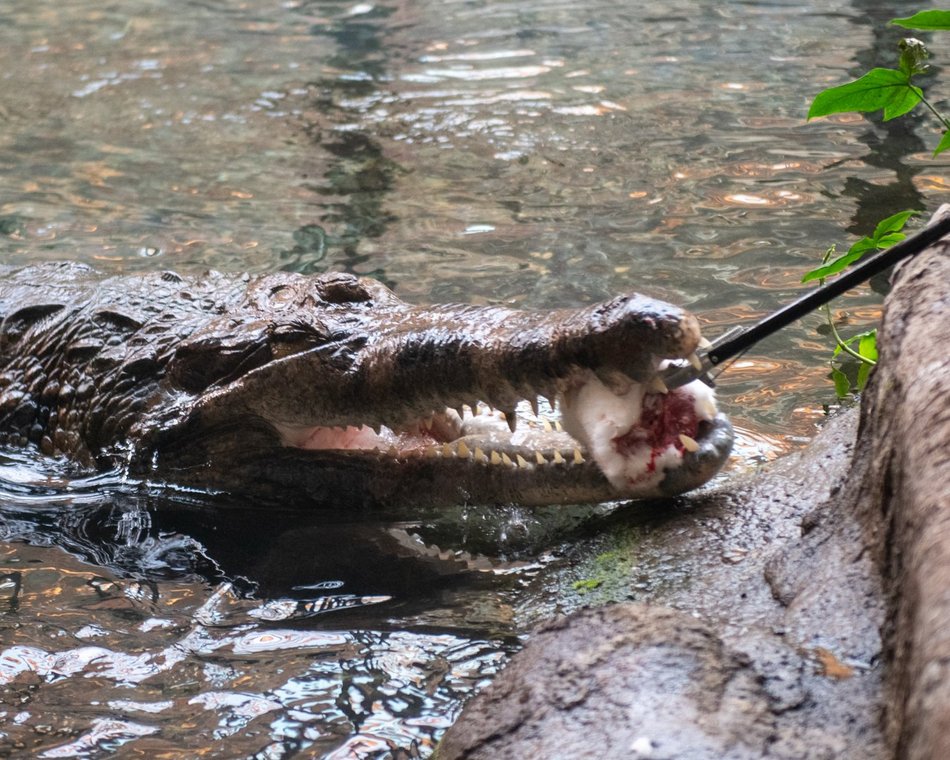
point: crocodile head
(332, 390)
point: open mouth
(644, 439)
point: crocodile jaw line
(635, 436)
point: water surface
(532, 153)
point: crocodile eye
(282, 294)
(342, 288)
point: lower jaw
(714, 446)
(545, 458)
(445, 478)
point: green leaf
(854, 253)
(832, 268)
(861, 247)
(842, 384)
(864, 371)
(889, 90)
(943, 144)
(930, 20)
(914, 55)
(885, 235)
(839, 346)
(894, 223)
(811, 274)
(869, 334)
(889, 239)
(867, 346)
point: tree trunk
(900, 484)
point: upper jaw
(397, 365)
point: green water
(534, 153)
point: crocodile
(329, 391)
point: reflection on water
(201, 624)
(173, 665)
(536, 153)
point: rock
(656, 683)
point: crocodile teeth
(512, 419)
(522, 462)
(495, 458)
(463, 451)
(704, 342)
(480, 455)
(689, 444)
(558, 459)
(695, 361)
(578, 457)
(507, 460)
(534, 406)
(657, 385)
(546, 424)
(539, 457)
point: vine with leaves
(895, 92)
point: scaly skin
(215, 381)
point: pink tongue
(662, 420)
(361, 438)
